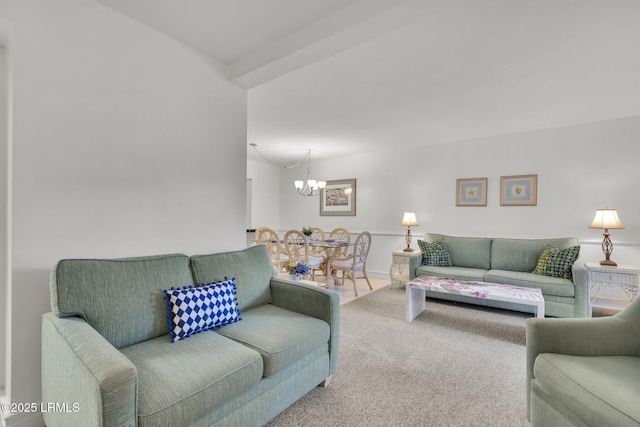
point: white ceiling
(347, 76)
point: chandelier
(311, 187)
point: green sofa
(584, 372)
(106, 347)
(508, 261)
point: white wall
(265, 194)
(580, 168)
(125, 143)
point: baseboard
(379, 275)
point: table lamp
(409, 219)
(605, 219)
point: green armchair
(584, 372)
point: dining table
(331, 250)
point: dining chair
(259, 230)
(318, 234)
(277, 253)
(341, 235)
(298, 250)
(357, 261)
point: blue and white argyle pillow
(193, 310)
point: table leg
(416, 302)
(330, 253)
(393, 271)
(540, 310)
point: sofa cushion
(472, 252)
(599, 391)
(281, 336)
(179, 384)
(457, 273)
(251, 267)
(122, 299)
(193, 310)
(435, 253)
(548, 285)
(523, 254)
(556, 262)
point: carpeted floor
(454, 365)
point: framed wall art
(338, 198)
(519, 190)
(471, 192)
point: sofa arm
(84, 371)
(604, 336)
(415, 260)
(582, 306)
(315, 302)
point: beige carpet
(454, 365)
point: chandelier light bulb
(310, 187)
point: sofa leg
(326, 382)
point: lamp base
(607, 248)
(407, 240)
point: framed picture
(519, 190)
(339, 198)
(471, 192)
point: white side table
(608, 284)
(399, 270)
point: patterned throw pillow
(193, 310)
(556, 262)
(435, 254)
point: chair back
(257, 234)
(297, 246)
(341, 235)
(317, 234)
(259, 230)
(269, 238)
(361, 247)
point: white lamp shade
(606, 218)
(409, 218)
(298, 184)
(322, 184)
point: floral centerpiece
(297, 270)
(307, 231)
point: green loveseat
(106, 347)
(511, 262)
(584, 372)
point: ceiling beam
(339, 32)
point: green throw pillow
(435, 254)
(556, 262)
